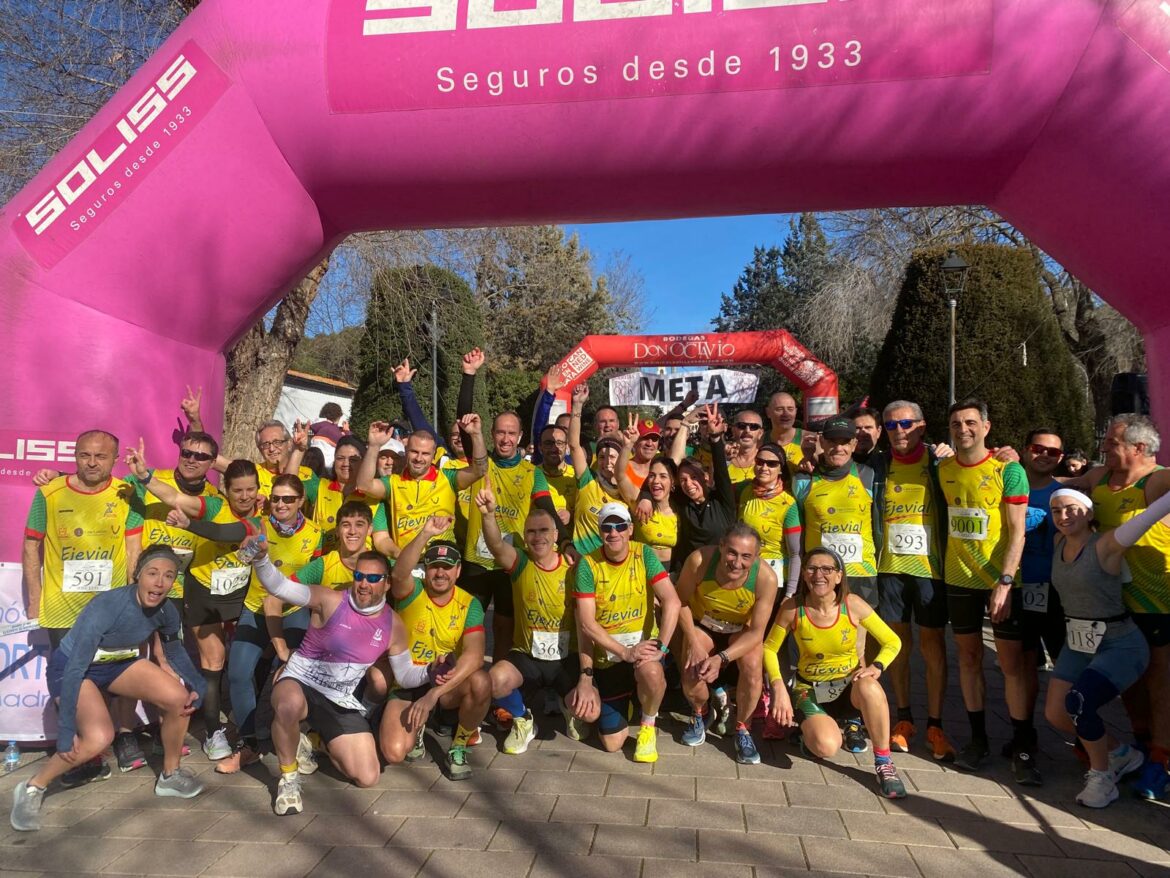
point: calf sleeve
(211, 700)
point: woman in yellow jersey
(829, 683)
(217, 580)
(324, 495)
(660, 531)
(766, 503)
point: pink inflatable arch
(263, 131)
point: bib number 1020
(824, 55)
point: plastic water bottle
(11, 757)
(250, 551)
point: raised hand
(485, 500)
(379, 434)
(580, 396)
(42, 477)
(437, 524)
(403, 374)
(552, 378)
(191, 404)
(300, 436)
(471, 424)
(178, 518)
(472, 361)
(136, 459)
(716, 426)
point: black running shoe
(1024, 768)
(95, 769)
(972, 755)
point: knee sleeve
(1084, 701)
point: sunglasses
(768, 462)
(284, 498)
(201, 456)
(748, 425)
(615, 527)
(371, 578)
(901, 424)
(1045, 451)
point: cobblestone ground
(567, 809)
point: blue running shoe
(745, 748)
(696, 732)
(1152, 782)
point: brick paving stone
(256, 826)
(954, 782)
(682, 869)
(1059, 867)
(694, 766)
(1011, 838)
(65, 816)
(534, 760)
(440, 802)
(644, 841)
(519, 835)
(853, 798)
(751, 848)
(554, 783)
(503, 806)
(56, 853)
(611, 763)
(426, 832)
(696, 815)
(145, 824)
(793, 771)
(409, 777)
(494, 780)
(554, 865)
(176, 858)
(893, 829)
(1151, 870)
(1027, 810)
(935, 805)
(795, 821)
(366, 861)
(1103, 844)
(590, 809)
(268, 861)
(479, 864)
(659, 786)
(747, 792)
(339, 829)
(951, 863)
(870, 858)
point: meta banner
(667, 391)
(23, 452)
(99, 176)
(434, 54)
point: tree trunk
(256, 365)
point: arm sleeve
(889, 642)
(218, 533)
(466, 406)
(279, 585)
(724, 492)
(792, 545)
(775, 639)
(1129, 532)
(414, 413)
(539, 422)
(406, 673)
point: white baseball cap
(613, 510)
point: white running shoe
(216, 747)
(1100, 789)
(288, 795)
(306, 758)
(1124, 760)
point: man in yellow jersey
(727, 597)
(747, 432)
(987, 504)
(445, 627)
(910, 568)
(1130, 481)
(324, 496)
(594, 488)
(560, 474)
(422, 489)
(543, 651)
(615, 589)
(81, 538)
(781, 413)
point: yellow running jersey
(660, 532)
(326, 498)
(155, 528)
(265, 477)
(515, 488)
(1149, 558)
(624, 593)
(563, 488)
(436, 630)
(288, 554)
(911, 542)
(215, 566)
(772, 517)
(83, 536)
(591, 496)
(978, 537)
(464, 496)
(839, 516)
(793, 453)
(719, 609)
(544, 625)
(410, 502)
(327, 570)
(741, 473)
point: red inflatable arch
(775, 348)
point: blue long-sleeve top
(115, 620)
(418, 420)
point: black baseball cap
(839, 428)
(442, 552)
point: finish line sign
(667, 391)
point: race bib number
(1035, 595)
(719, 626)
(846, 545)
(909, 539)
(185, 556)
(101, 656)
(550, 645)
(481, 546)
(90, 575)
(630, 638)
(828, 691)
(231, 580)
(1084, 635)
(967, 523)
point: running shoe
(157, 749)
(419, 750)
(306, 755)
(854, 736)
(889, 783)
(502, 719)
(1152, 782)
(216, 747)
(1100, 789)
(696, 732)
(26, 807)
(972, 755)
(719, 711)
(288, 795)
(181, 784)
(577, 729)
(1024, 768)
(646, 748)
(745, 748)
(521, 735)
(95, 769)
(1125, 760)
(242, 758)
(940, 745)
(128, 752)
(476, 738)
(458, 766)
(904, 732)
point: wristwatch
(1006, 580)
(587, 672)
(881, 667)
(723, 658)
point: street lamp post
(954, 271)
(435, 363)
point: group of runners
(765, 576)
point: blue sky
(687, 264)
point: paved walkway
(567, 809)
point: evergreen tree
(1001, 314)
